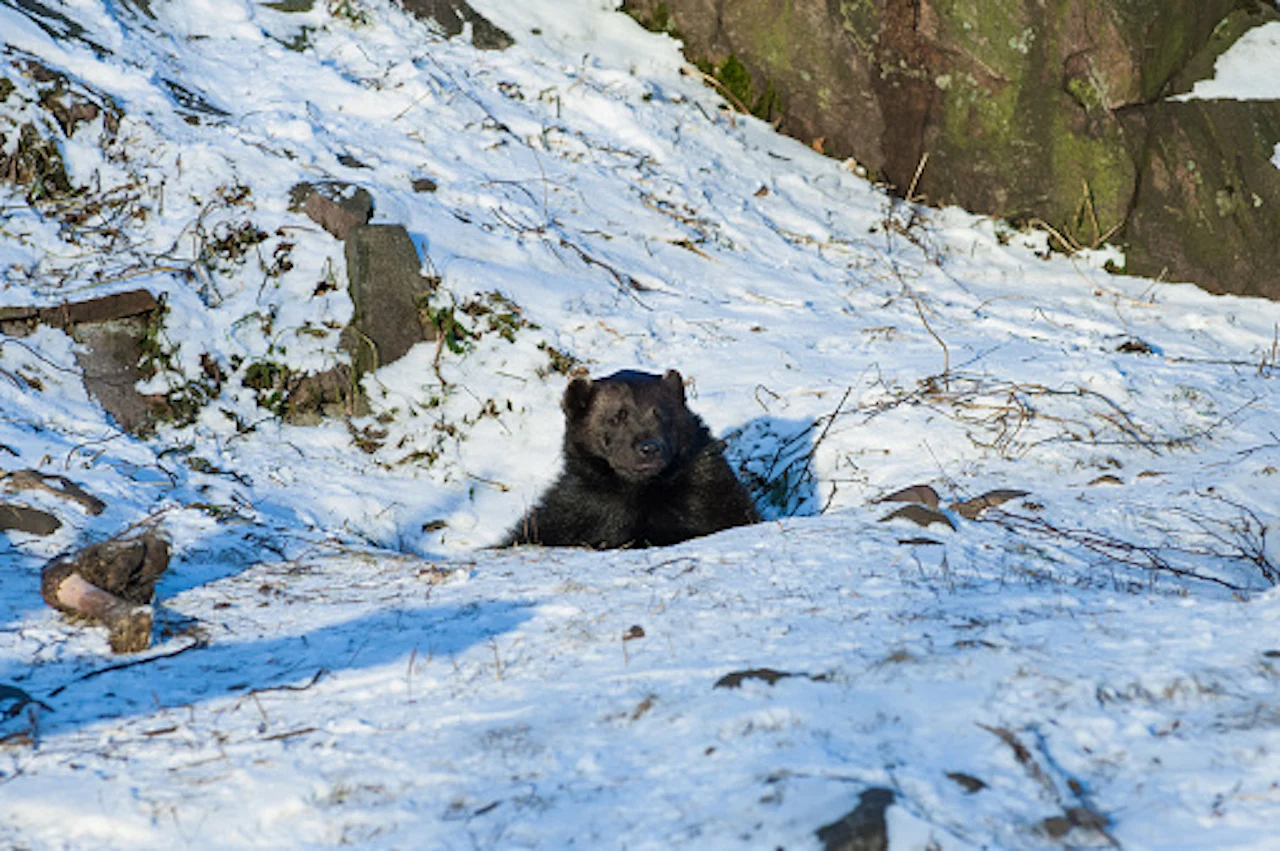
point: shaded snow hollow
(340, 661)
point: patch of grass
(36, 165)
(268, 379)
(460, 324)
(558, 361)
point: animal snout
(649, 449)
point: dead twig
(196, 643)
(1145, 558)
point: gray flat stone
(24, 518)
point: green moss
(860, 19)
(263, 375)
(773, 38)
(1092, 182)
(998, 32)
(735, 78)
(1026, 152)
(658, 20)
(736, 81)
(1087, 94)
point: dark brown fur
(640, 469)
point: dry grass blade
(1024, 757)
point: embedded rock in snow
(387, 288)
(332, 393)
(59, 486)
(339, 208)
(112, 329)
(24, 518)
(454, 15)
(111, 371)
(864, 828)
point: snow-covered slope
(340, 660)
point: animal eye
(621, 416)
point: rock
(332, 393)
(387, 288)
(1228, 31)
(1033, 109)
(769, 676)
(111, 370)
(454, 15)
(864, 828)
(124, 305)
(339, 208)
(305, 399)
(1207, 208)
(23, 518)
(112, 329)
(59, 486)
(1013, 103)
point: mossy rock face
(801, 72)
(1017, 104)
(1012, 100)
(1019, 112)
(1207, 208)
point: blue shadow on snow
(82, 692)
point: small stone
(24, 518)
(339, 208)
(452, 17)
(862, 829)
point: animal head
(635, 421)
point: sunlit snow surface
(1249, 70)
(339, 659)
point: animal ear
(577, 397)
(673, 383)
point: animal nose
(649, 448)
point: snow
(339, 659)
(1249, 70)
